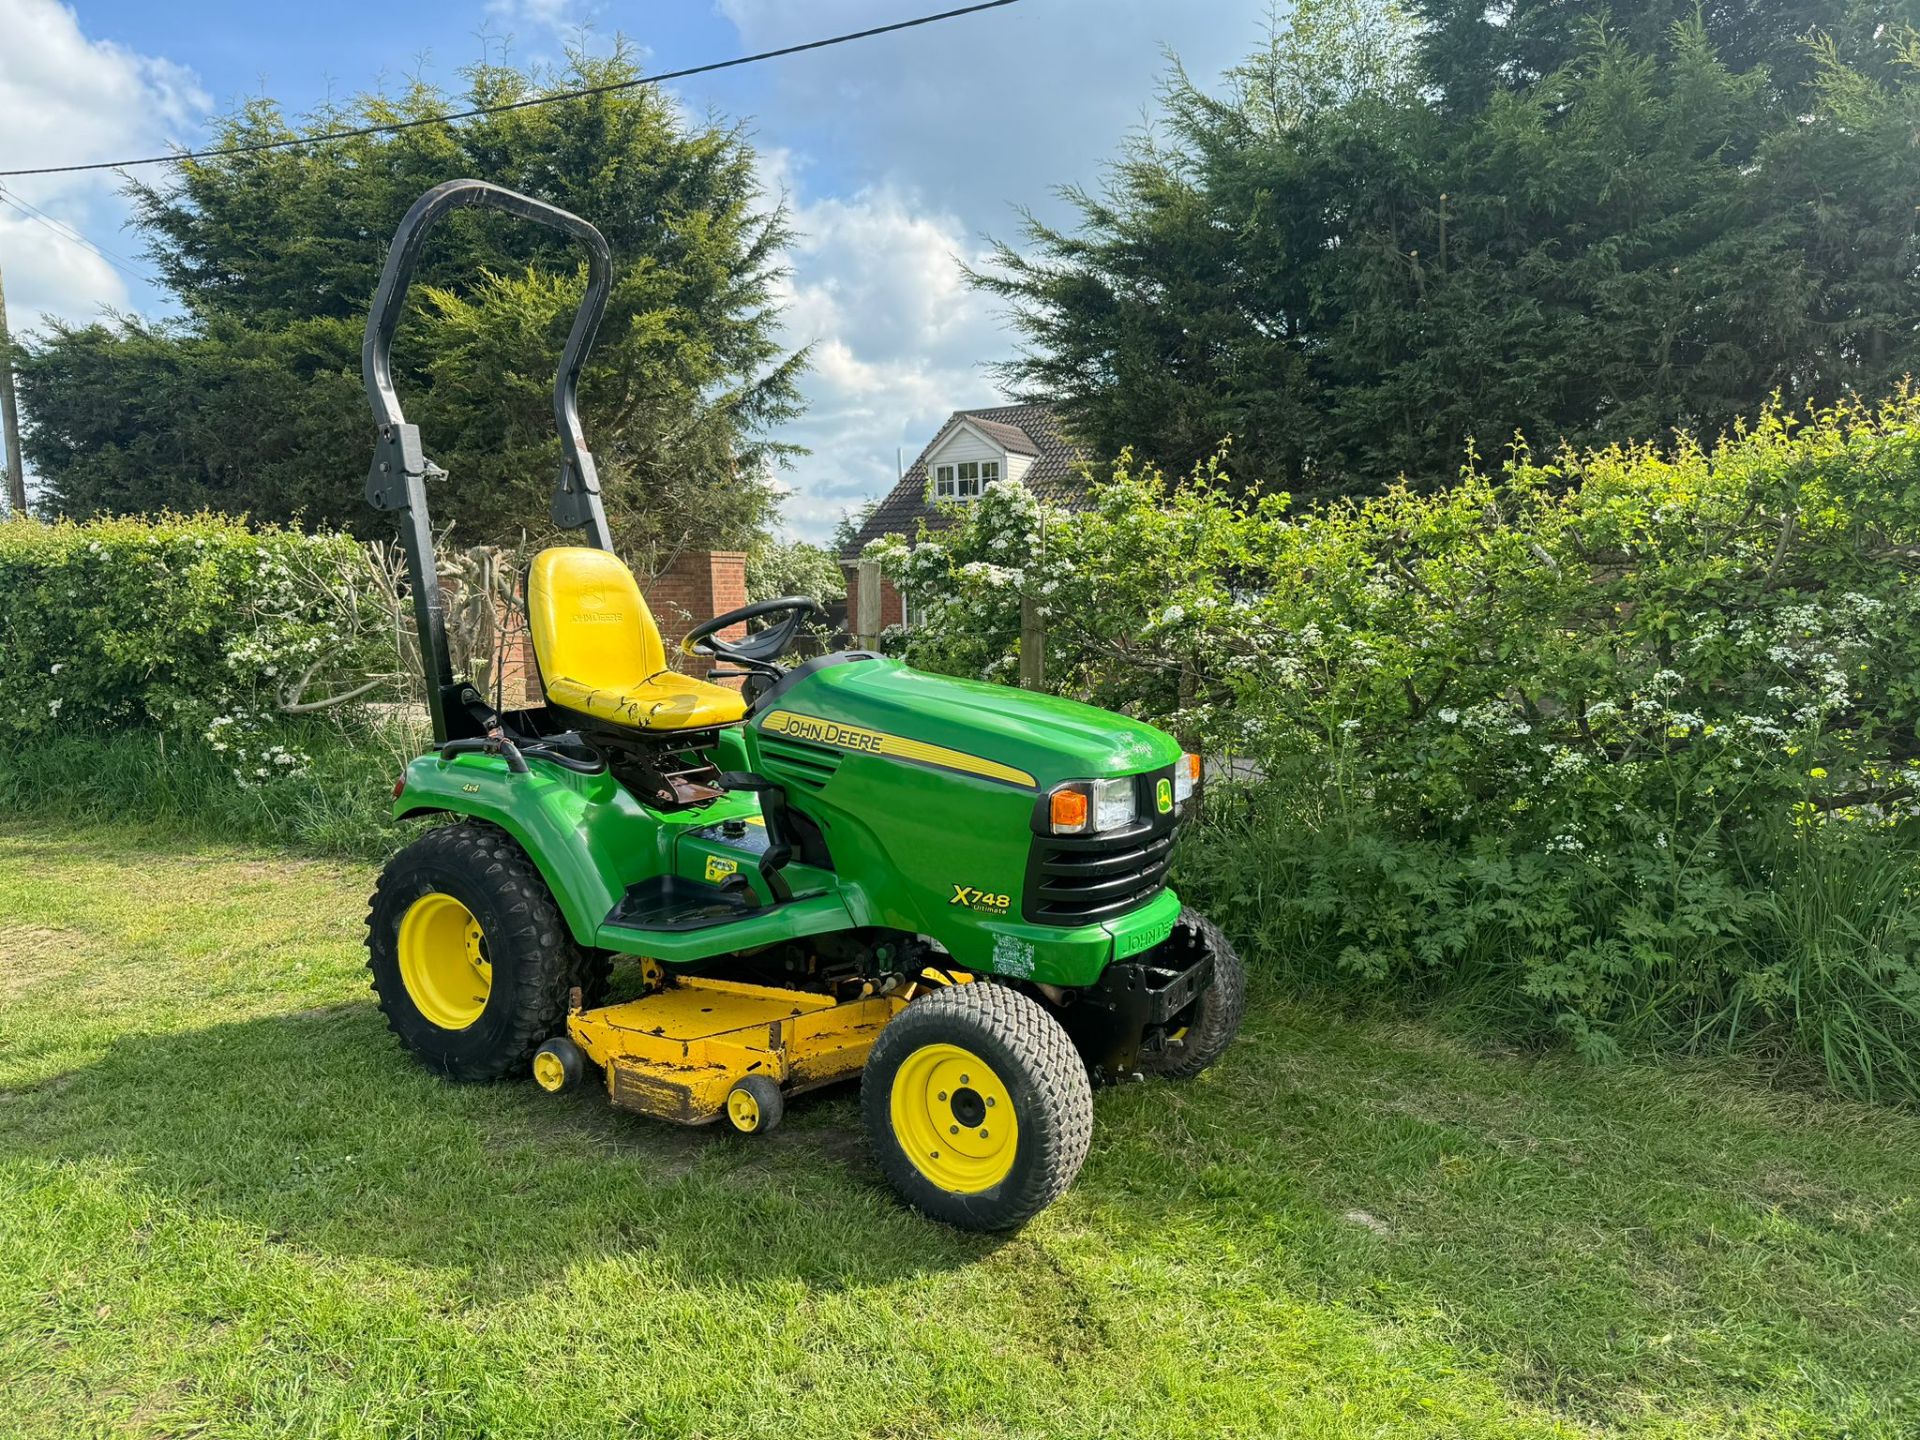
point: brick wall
(698, 585)
(519, 673)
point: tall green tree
(250, 399)
(1397, 231)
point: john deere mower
(955, 892)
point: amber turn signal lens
(1068, 811)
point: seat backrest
(589, 621)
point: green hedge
(190, 624)
(1620, 746)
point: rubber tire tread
(1041, 1069)
(1216, 1015)
(773, 1105)
(573, 1061)
(535, 962)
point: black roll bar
(400, 470)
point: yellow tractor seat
(600, 652)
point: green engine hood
(866, 704)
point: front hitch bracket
(1109, 1020)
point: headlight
(1186, 776)
(1087, 807)
(1114, 803)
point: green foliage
(335, 801)
(793, 567)
(253, 402)
(195, 628)
(1393, 234)
(851, 522)
(1624, 745)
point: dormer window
(964, 480)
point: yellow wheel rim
(443, 961)
(954, 1119)
(548, 1071)
(743, 1111)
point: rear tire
(977, 1106)
(1211, 1022)
(478, 1014)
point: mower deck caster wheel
(755, 1105)
(558, 1065)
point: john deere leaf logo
(1163, 796)
(596, 602)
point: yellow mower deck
(677, 1052)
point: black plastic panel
(1078, 879)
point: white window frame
(960, 481)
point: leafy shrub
(196, 627)
(1593, 739)
(777, 568)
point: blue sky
(897, 155)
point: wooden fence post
(866, 595)
(1033, 645)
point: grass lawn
(230, 1206)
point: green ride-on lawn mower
(955, 891)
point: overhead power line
(398, 125)
(30, 211)
(59, 234)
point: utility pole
(10, 417)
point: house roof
(1019, 429)
(1010, 438)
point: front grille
(1077, 879)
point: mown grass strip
(228, 1203)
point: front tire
(471, 961)
(977, 1106)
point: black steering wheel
(760, 649)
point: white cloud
(898, 338)
(900, 154)
(67, 99)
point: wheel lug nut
(983, 1134)
(943, 1094)
(989, 1100)
(953, 1129)
(966, 1079)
